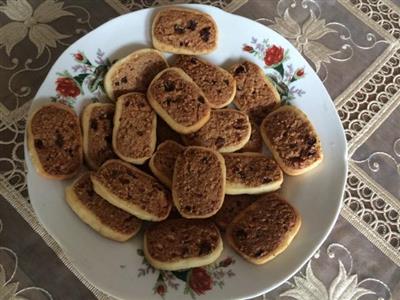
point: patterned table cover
(354, 46)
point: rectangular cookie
(132, 190)
(135, 128)
(108, 220)
(251, 173)
(184, 31)
(292, 139)
(178, 101)
(97, 127)
(55, 141)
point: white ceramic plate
(118, 269)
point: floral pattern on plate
(275, 60)
(88, 76)
(197, 280)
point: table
(354, 45)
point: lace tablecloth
(354, 45)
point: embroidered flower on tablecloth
(32, 23)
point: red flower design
(300, 73)
(161, 290)
(274, 55)
(248, 48)
(200, 281)
(67, 87)
(226, 262)
(79, 56)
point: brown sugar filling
(216, 84)
(252, 171)
(263, 226)
(293, 139)
(177, 239)
(181, 99)
(134, 135)
(57, 139)
(224, 128)
(108, 214)
(198, 182)
(232, 206)
(100, 134)
(165, 157)
(136, 75)
(184, 29)
(253, 95)
(131, 185)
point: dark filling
(252, 170)
(131, 185)
(177, 239)
(135, 130)
(224, 128)
(136, 74)
(216, 83)
(57, 138)
(199, 182)
(253, 95)
(293, 139)
(184, 29)
(181, 99)
(232, 206)
(100, 134)
(108, 214)
(263, 226)
(255, 142)
(165, 157)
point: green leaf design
(279, 68)
(182, 275)
(140, 252)
(80, 78)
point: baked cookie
(292, 139)
(162, 162)
(184, 31)
(255, 142)
(178, 100)
(251, 173)
(198, 184)
(232, 206)
(134, 72)
(182, 244)
(216, 83)
(132, 190)
(228, 130)
(55, 141)
(97, 127)
(135, 128)
(264, 229)
(255, 93)
(106, 219)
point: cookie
(228, 130)
(97, 127)
(255, 142)
(106, 219)
(134, 72)
(256, 95)
(184, 31)
(264, 229)
(55, 141)
(162, 162)
(232, 206)
(216, 83)
(178, 100)
(292, 139)
(132, 190)
(198, 184)
(135, 128)
(182, 244)
(251, 173)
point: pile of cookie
(213, 178)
